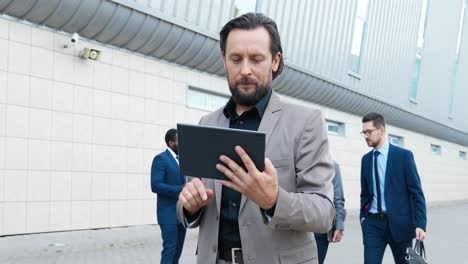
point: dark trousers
(376, 234)
(322, 246)
(173, 237)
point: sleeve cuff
(268, 214)
(339, 226)
(191, 218)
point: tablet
(201, 146)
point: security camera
(73, 40)
(91, 54)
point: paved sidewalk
(446, 243)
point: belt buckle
(233, 255)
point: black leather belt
(379, 215)
(233, 255)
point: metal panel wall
(316, 35)
(389, 49)
(460, 108)
(209, 15)
(438, 60)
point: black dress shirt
(229, 236)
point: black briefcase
(416, 254)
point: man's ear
(382, 129)
(223, 53)
(276, 61)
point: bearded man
(262, 216)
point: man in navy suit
(167, 183)
(393, 207)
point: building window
(335, 128)
(462, 155)
(205, 100)
(244, 6)
(457, 55)
(435, 149)
(397, 140)
(360, 25)
(419, 49)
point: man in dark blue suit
(393, 207)
(167, 183)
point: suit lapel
(267, 125)
(171, 158)
(370, 177)
(389, 167)
(270, 117)
(370, 181)
(368, 173)
(174, 163)
(222, 122)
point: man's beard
(249, 99)
(374, 144)
(175, 149)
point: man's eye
(257, 59)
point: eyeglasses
(367, 132)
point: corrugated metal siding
(316, 34)
(438, 59)
(460, 108)
(389, 49)
(209, 15)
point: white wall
(77, 137)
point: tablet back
(201, 146)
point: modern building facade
(77, 136)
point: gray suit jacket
(339, 201)
(297, 145)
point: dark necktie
(377, 182)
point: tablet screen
(201, 146)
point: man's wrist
(272, 203)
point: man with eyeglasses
(393, 207)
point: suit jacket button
(217, 217)
(214, 248)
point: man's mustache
(246, 80)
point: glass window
(335, 128)
(419, 49)
(462, 155)
(397, 140)
(435, 149)
(457, 55)
(415, 79)
(244, 6)
(358, 35)
(460, 27)
(204, 100)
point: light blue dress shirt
(382, 168)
